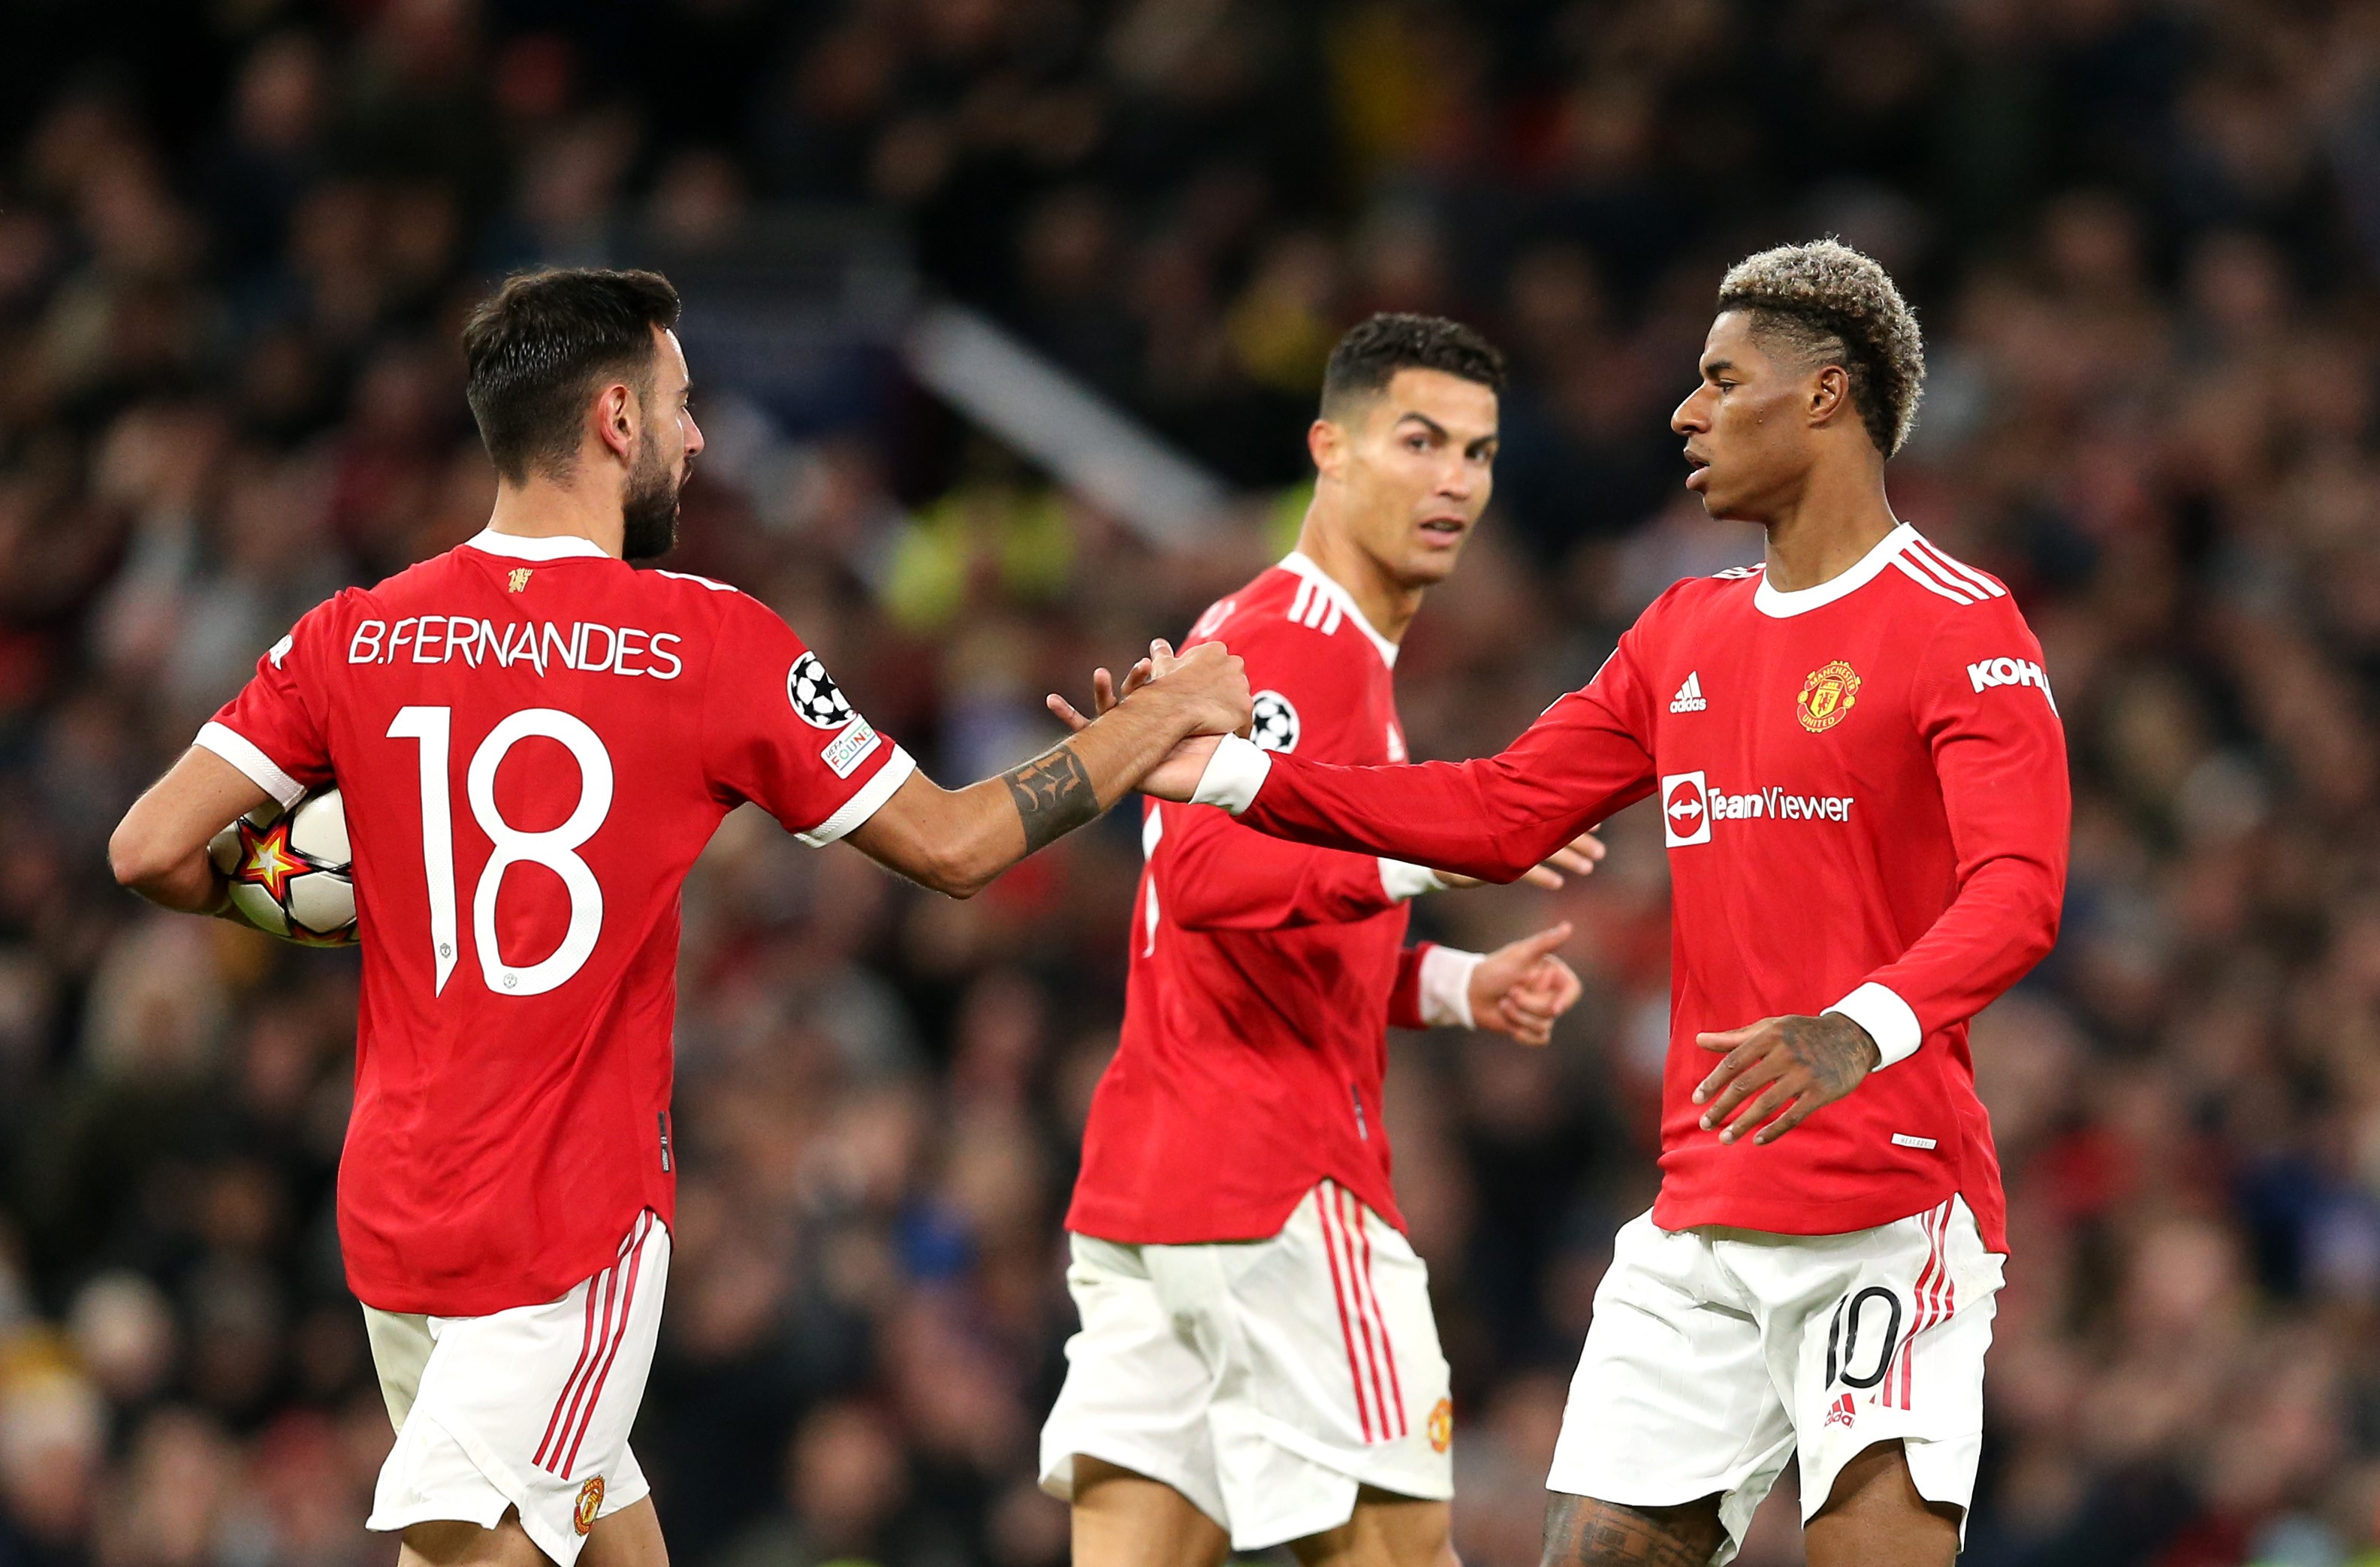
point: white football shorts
(528, 1408)
(1265, 1381)
(1716, 1353)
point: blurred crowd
(2143, 237)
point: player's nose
(1688, 417)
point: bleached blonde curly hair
(1836, 305)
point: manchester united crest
(1826, 696)
(1441, 1425)
(590, 1502)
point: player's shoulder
(1943, 599)
(1294, 611)
(1947, 584)
(1692, 596)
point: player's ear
(1326, 443)
(615, 419)
(1830, 393)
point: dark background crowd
(2143, 236)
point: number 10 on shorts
(556, 849)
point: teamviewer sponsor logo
(1685, 810)
(1688, 805)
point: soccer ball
(290, 870)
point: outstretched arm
(955, 841)
(1493, 817)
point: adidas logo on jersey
(1690, 695)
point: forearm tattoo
(1836, 1051)
(1582, 1532)
(1054, 796)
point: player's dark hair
(536, 346)
(1836, 305)
(1368, 357)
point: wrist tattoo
(1836, 1050)
(1054, 795)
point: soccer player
(1862, 779)
(1258, 1362)
(533, 742)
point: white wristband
(1234, 774)
(1446, 986)
(1886, 1018)
(1402, 881)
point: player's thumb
(1528, 949)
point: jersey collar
(560, 546)
(1782, 604)
(1300, 562)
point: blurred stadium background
(1011, 314)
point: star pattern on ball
(266, 859)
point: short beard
(648, 507)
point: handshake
(1206, 689)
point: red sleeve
(777, 731)
(1493, 817)
(1983, 705)
(1405, 998)
(272, 730)
(1221, 876)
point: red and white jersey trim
(1322, 604)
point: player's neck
(543, 509)
(1387, 603)
(1827, 530)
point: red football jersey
(1864, 796)
(1264, 974)
(534, 740)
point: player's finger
(1565, 985)
(1760, 1109)
(1740, 1045)
(1065, 711)
(1748, 1078)
(1103, 691)
(1797, 1114)
(1542, 876)
(1140, 675)
(1530, 1005)
(1588, 846)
